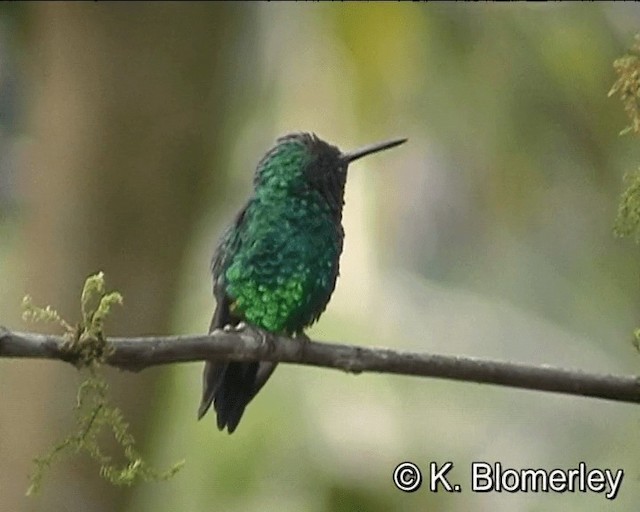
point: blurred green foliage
(627, 87)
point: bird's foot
(240, 326)
(265, 338)
(304, 341)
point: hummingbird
(276, 265)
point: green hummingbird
(276, 265)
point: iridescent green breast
(285, 264)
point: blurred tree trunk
(126, 106)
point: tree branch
(142, 352)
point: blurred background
(128, 138)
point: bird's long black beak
(367, 150)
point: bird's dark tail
(230, 387)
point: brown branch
(143, 352)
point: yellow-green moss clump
(88, 348)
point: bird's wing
(232, 385)
(228, 244)
(227, 247)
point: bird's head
(300, 163)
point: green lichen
(636, 339)
(32, 313)
(627, 86)
(87, 347)
(627, 221)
